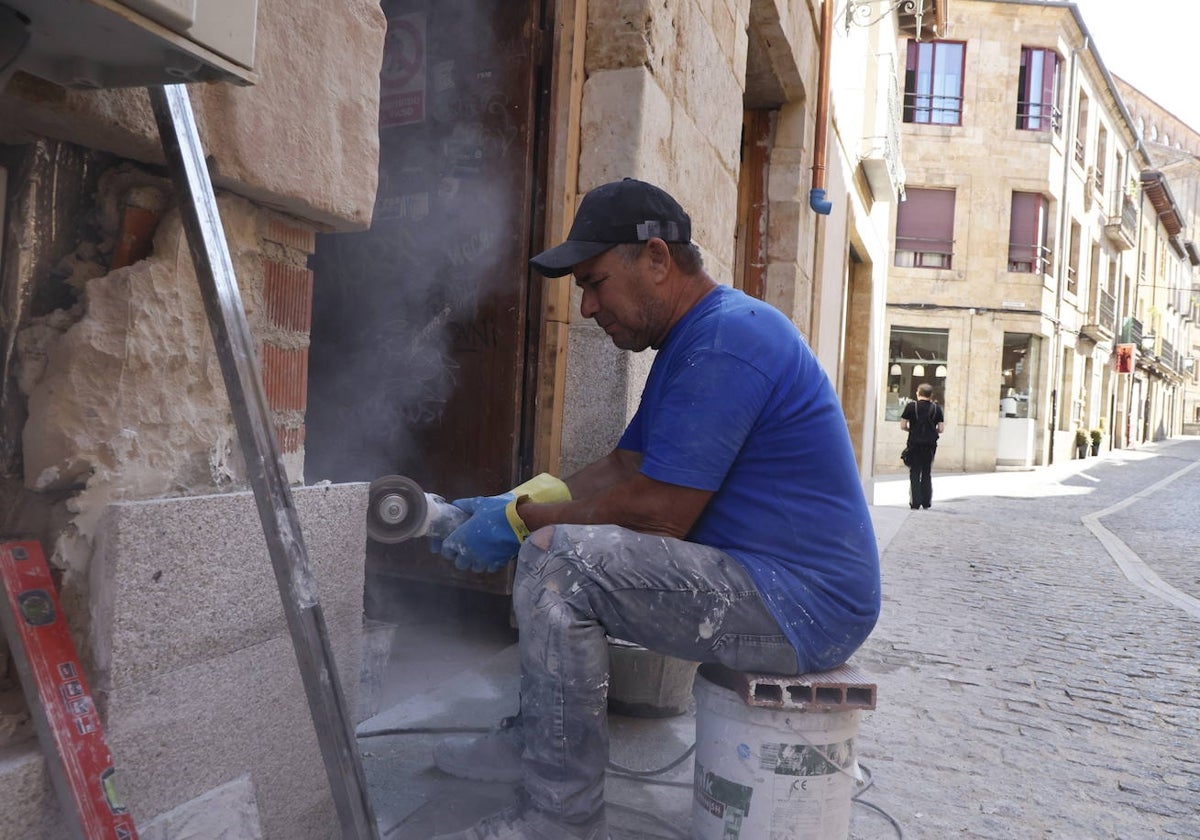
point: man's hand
(494, 533)
(486, 541)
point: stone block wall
(317, 162)
(663, 103)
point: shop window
(1019, 369)
(925, 229)
(933, 82)
(915, 356)
(1029, 234)
(1038, 91)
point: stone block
(628, 34)
(702, 180)
(177, 735)
(228, 812)
(596, 407)
(177, 582)
(27, 801)
(625, 127)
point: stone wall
(662, 102)
(303, 139)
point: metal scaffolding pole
(264, 465)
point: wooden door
(420, 325)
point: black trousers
(920, 482)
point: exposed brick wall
(287, 307)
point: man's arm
(611, 491)
(618, 465)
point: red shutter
(925, 221)
(1049, 83)
(1023, 229)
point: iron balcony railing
(923, 252)
(882, 146)
(1029, 259)
(1039, 116)
(1131, 331)
(1166, 354)
(932, 108)
(1121, 226)
(1108, 310)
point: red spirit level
(68, 725)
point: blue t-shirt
(737, 404)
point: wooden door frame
(556, 195)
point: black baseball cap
(613, 214)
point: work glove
(494, 533)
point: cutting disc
(397, 509)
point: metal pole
(264, 466)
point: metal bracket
(860, 12)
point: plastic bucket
(770, 774)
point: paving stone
(1028, 689)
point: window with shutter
(925, 229)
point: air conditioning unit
(133, 43)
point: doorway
(421, 325)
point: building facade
(1174, 149)
(1034, 230)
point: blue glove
(486, 541)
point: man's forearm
(638, 503)
(598, 476)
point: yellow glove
(541, 488)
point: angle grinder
(399, 510)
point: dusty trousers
(674, 597)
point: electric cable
(647, 776)
(612, 765)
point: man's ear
(659, 256)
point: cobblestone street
(1028, 687)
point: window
(1101, 160)
(933, 82)
(914, 356)
(1081, 128)
(1019, 375)
(1029, 234)
(925, 229)
(1038, 102)
(1073, 260)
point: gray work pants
(683, 599)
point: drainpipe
(1070, 118)
(816, 196)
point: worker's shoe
(494, 757)
(524, 822)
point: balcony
(1104, 326)
(1121, 229)
(1131, 331)
(880, 155)
(923, 19)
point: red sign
(68, 724)
(402, 78)
(1124, 358)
